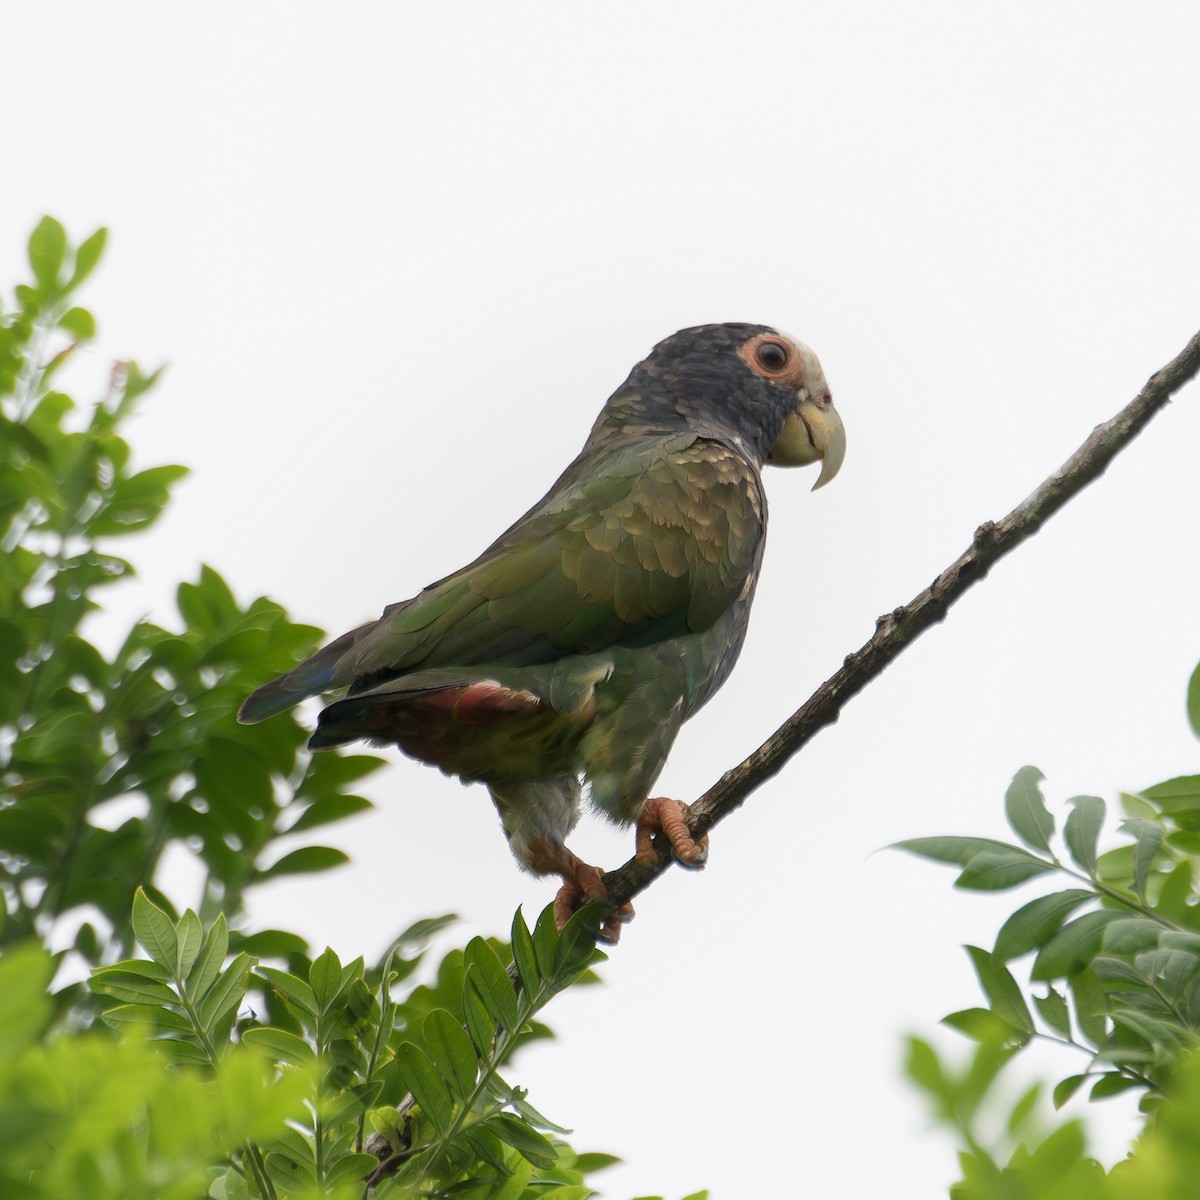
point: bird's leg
(662, 814)
(581, 883)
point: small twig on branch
(897, 630)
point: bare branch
(897, 630)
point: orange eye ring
(772, 356)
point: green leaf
(514, 1170)
(1091, 1005)
(87, 256)
(190, 936)
(148, 1015)
(480, 1024)
(155, 931)
(1066, 1088)
(1187, 840)
(1137, 808)
(982, 1070)
(389, 1124)
(325, 978)
(417, 935)
(47, 248)
(492, 981)
(1059, 1154)
(79, 323)
(329, 774)
(1179, 939)
(1032, 923)
(87, 941)
(982, 1025)
(1072, 947)
(527, 1142)
(576, 944)
(25, 974)
(1193, 701)
(1004, 996)
(354, 1167)
(291, 1174)
(1172, 970)
(137, 383)
(524, 955)
(1053, 1008)
(1026, 809)
(136, 502)
(280, 1045)
(996, 870)
(924, 1068)
(151, 485)
(451, 1051)
(1112, 1083)
(426, 1085)
(306, 861)
(329, 809)
(1130, 935)
(1082, 830)
(1161, 1035)
(1175, 892)
(293, 990)
(349, 1106)
(592, 1161)
(1023, 1107)
(1117, 970)
(208, 962)
(272, 943)
(130, 987)
(1149, 838)
(226, 993)
(954, 849)
(535, 1118)
(545, 941)
(138, 966)
(1176, 796)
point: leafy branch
(1131, 965)
(345, 1052)
(1119, 959)
(898, 629)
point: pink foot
(660, 814)
(582, 884)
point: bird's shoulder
(673, 481)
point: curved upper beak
(812, 432)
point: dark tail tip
(266, 702)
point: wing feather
(652, 540)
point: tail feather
(430, 714)
(313, 676)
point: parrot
(564, 660)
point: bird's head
(812, 431)
(749, 386)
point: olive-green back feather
(656, 541)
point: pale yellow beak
(813, 432)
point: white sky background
(398, 256)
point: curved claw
(582, 884)
(570, 896)
(662, 814)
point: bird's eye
(772, 356)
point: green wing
(649, 541)
(651, 544)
